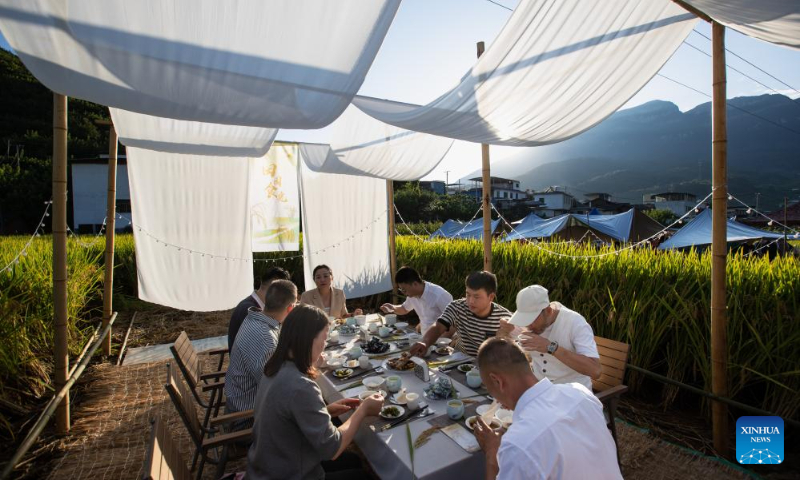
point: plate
(351, 363)
(387, 368)
(466, 367)
(453, 395)
(399, 409)
(342, 372)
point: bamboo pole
(487, 196)
(719, 246)
(392, 238)
(111, 214)
(61, 347)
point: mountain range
(655, 148)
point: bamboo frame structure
(61, 347)
(719, 243)
(486, 197)
(392, 236)
(111, 214)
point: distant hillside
(655, 147)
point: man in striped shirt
(255, 342)
(475, 317)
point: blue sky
(431, 44)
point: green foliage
(420, 205)
(25, 184)
(662, 215)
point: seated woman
(326, 296)
(293, 437)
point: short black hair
(274, 273)
(485, 280)
(407, 275)
(280, 294)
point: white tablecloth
(387, 452)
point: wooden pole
(111, 214)
(392, 239)
(719, 246)
(61, 348)
(487, 197)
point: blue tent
(698, 232)
(455, 229)
(533, 226)
(630, 226)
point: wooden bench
(208, 439)
(163, 460)
(609, 387)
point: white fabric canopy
(282, 63)
(555, 70)
(774, 21)
(190, 214)
(184, 136)
(345, 226)
(361, 145)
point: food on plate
(390, 412)
(445, 350)
(402, 363)
(375, 345)
(351, 363)
(347, 330)
(495, 425)
(467, 367)
(441, 389)
(342, 372)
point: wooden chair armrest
(212, 375)
(213, 386)
(218, 351)
(231, 417)
(612, 392)
(219, 440)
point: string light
(24, 251)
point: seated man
(255, 343)
(558, 431)
(427, 299)
(255, 299)
(560, 341)
(475, 317)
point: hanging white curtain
(361, 145)
(191, 229)
(278, 63)
(345, 226)
(184, 136)
(774, 21)
(555, 70)
(275, 200)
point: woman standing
(326, 296)
(293, 436)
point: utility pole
(757, 195)
(446, 180)
(785, 222)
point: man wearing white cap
(560, 340)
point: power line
(501, 5)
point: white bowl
(400, 325)
(443, 342)
(495, 425)
(374, 383)
(504, 415)
(368, 393)
(335, 362)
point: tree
(662, 215)
(419, 205)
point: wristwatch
(551, 349)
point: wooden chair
(163, 460)
(191, 367)
(212, 438)
(609, 387)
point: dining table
(387, 450)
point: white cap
(530, 303)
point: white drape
(281, 63)
(197, 205)
(275, 200)
(184, 136)
(345, 227)
(555, 70)
(361, 145)
(774, 21)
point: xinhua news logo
(759, 440)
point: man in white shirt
(559, 340)
(557, 431)
(427, 299)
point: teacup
(393, 383)
(361, 319)
(334, 336)
(455, 409)
(474, 378)
(355, 352)
(363, 361)
(351, 321)
(384, 331)
(390, 319)
(373, 328)
(412, 401)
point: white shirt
(572, 333)
(430, 305)
(558, 432)
(258, 299)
